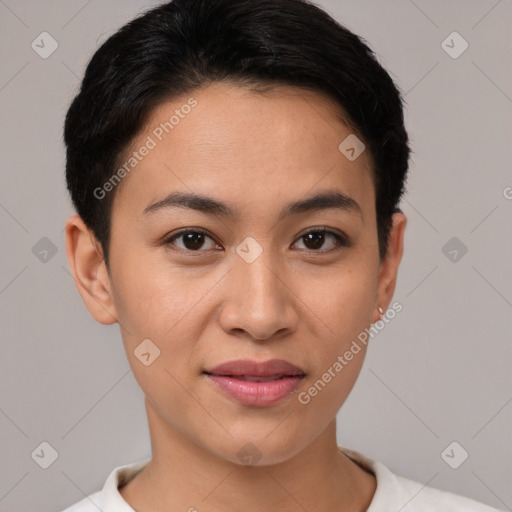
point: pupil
(194, 240)
(315, 237)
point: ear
(89, 271)
(389, 265)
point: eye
(315, 238)
(192, 240)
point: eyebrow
(331, 199)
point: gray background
(439, 372)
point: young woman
(236, 168)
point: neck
(184, 476)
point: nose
(259, 302)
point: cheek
(343, 307)
(345, 312)
(343, 300)
(160, 308)
(151, 299)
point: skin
(297, 301)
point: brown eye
(316, 238)
(192, 240)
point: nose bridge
(257, 271)
(259, 303)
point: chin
(260, 449)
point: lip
(254, 383)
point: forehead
(230, 141)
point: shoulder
(420, 498)
(91, 503)
(109, 499)
(395, 492)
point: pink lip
(256, 384)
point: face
(259, 271)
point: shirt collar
(386, 493)
(112, 499)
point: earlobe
(389, 266)
(89, 271)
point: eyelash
(341, 240)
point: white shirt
(393, 493)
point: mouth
(256, 384)
(253, 378)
